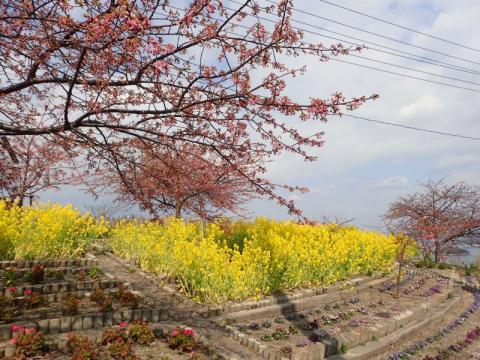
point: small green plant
(471, 269)
(140, 333)
(10, 277)
(27, 276)
(279, 320)
(94, 273)
(82, 348)
(267, 337)
(38, 274)
(280, 334)
(59, 275)
(343, 349)
(444, 266)
(70, 304)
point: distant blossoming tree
(183, 180)
(29, 165)
(439, 216)
(102, 75)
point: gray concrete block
(98, 321)
(155, 315)
(127, 315)
(66, 324)
(137, 315)
(5, 332)
(87, 322)
(43, 326)
(77, 323)
(108, 319)
(54, 326)
(117, 318)
(146, 315)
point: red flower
(123, 324)
(12, 289)
(17, 328)
(30, 331)
(175, 333)
(27, 292)
(188, 331)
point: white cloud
(394, 182)
(453, 161)
(425, 105)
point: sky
(365, 166)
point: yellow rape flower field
(251, 259)
(46, 231)
(221, 262)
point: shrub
(102, 299)
(110, 336)
(33, 300)
(82, 348)
(182, 340)
(70, 304)
(29, 342)
(127, 298)
(38, 274)
(121, 350)
(140, 333)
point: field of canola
(231, 261)
(251, 259)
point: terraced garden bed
(329, 327)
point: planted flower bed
(341, 325)
(414, 349)
(127, 341)
(61, 299)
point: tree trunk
(178, 212)
(438, 252)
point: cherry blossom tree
(102, 75)
(440, 216)
(185, 180)
(29, 165)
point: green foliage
(94, 273)
(471, 269)
(10, 277)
